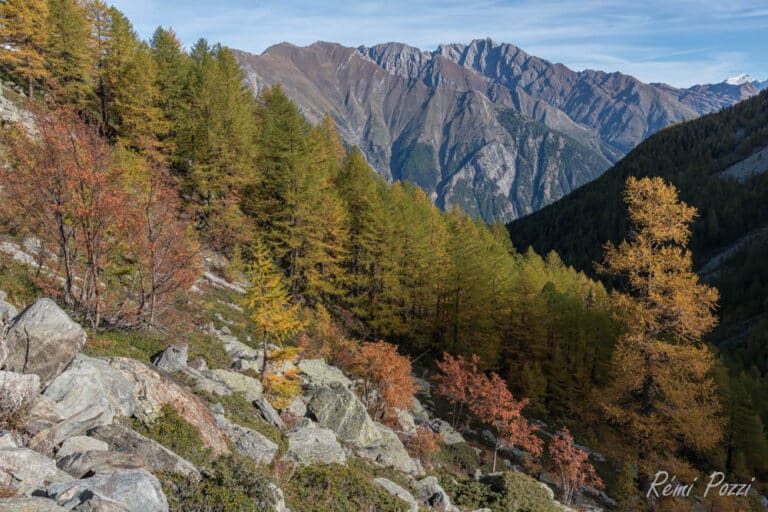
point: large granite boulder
(449, 435)
(268, 413)
(93, 392)
(26, 470)
(7, 313)
(389, 451)
(29, 505)
(247, 441)
(395, 490)
(311, 444)
(336, 407)
(43, 340)
(317, 371)
(135, 489)
(82, 464)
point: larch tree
(662, 395)
(268, 301)
(23, 39)
(68, 54)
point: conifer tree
(23, 39)
(98, 14)
(68, 53)
(663, 394)
(172, 66)
(268, 301)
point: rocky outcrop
(93, 392)
(431, 494)
(247, 441)
(310, 444)
(397, 491)
(135, 489)
(338, 408)
(172, 359)
(319, 372)
(43, 340)
(387, 450)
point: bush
(232, 484)
(173, 432)
(521, 493)
(17, 396)
(281, 389)
(459, 458)
(469, 494)
(336, 488)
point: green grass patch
(18, 282)
(136, 345)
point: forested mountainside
(483, 126)
(208, 281)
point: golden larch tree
(23, 37)
(663, 396)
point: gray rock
(248, 364)
(395, 490)
(135, 489)
(9, 440)
(389, 451)
(88, 394)
(29, 505)
(3, 295)
(314, 445)
(433, 495)
(278, 498)
(297, 407)
(173, 358)
(336, 407)
(26, 470)
(406, 421)
(82, 464)
(237, 349)
(239, 383)
(268, 413)
(247, 441)
(450, 436)
(319, 372)
(153, 456)
(80, 444)
(7, 312)
(43, 340)
(420, 414)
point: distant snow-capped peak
(739, 80)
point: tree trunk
(264, 361)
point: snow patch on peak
(739, 80)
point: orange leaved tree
(571, 466)
(459, 382)
(496, 407)
(387, 383)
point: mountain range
(484, 126)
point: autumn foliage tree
(496, 407)
(161, 248)
(23, 38)
(571, 466)
(662, 395)
(386, 378)
(458, 381)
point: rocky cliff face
(484, 126)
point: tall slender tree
(23, 39)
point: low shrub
(232, 483)
(459, 458)
(176, 434)
(521, 493)
(335, 488)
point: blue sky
(680, 42)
